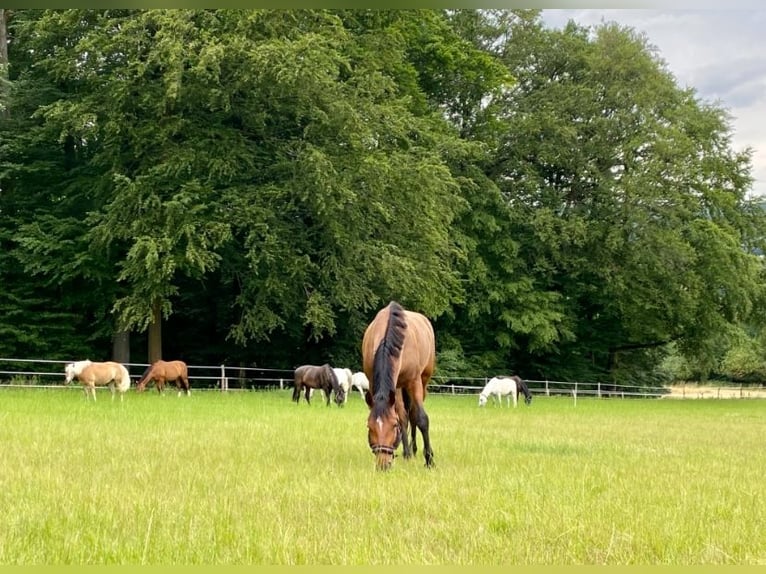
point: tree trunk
(121, 347)
(155, 332)
(3, 39)
(3, 61)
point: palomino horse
(399, 355)
(313, 377)
(509, 387)
(359, 380)
(92, 374)
(164, 371)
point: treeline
(250, 186)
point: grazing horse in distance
(311, 377)
(509, 387)
(359, 380)
(92, 374)
(399, 356)
(165, 371)
(344, 381)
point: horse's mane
(144, 377)
(521, 385)
(330, 374)
(389, 348)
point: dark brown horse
(314, 377)
(398, 356)
(164, 371)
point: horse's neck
(80, 365)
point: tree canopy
(260, 182)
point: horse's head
(340, 396)
(528, 399)
(384, 430)
(69, 370)
(482, 400)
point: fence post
(453, 388)
(574, 392)
(224, 382)
(281, 386)
(547, 391)
(598, 389)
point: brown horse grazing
(163, 371)
(398, 357)
(91, 374)
(313, 377)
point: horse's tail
(124, 384)
(297, 376)
(389, 348)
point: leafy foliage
(269, 179)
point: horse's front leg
(308, 395)
(421, 420)
(402, 413)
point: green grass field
(251, 478)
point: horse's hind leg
(421, 420)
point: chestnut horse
(164, 371)
(312, 377)
(91, 374)
(398, 357)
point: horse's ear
(368, 398)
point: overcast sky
(720, 53)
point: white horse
(499, 387)
(91, 374)
(360, 381)
(344, 380)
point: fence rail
(41, 373)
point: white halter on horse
(499, 387)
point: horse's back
(169, 369)
(179, 367)
(307, 374)
(502, 385)
(103, 373)
(359, 379)
(418, 353)
(419, 339)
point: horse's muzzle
(384, 456)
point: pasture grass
(252, 478)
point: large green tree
(290, 158)
(629, 198)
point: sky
(721, 53)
